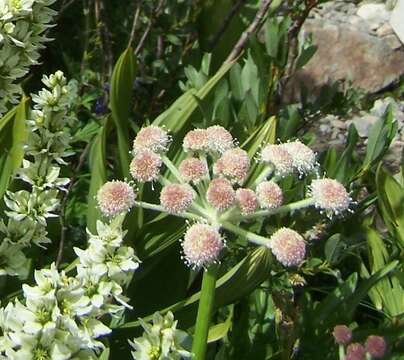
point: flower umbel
(115, 197)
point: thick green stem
(256, 239)
(205, 311)
(159, 208)
(282, 209)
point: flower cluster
(61, 317)
(375, 347)
(47, 145)
(213, 188)
(161, 340)
(22, 36)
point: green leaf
(380, 137)
(177, 116)
(239, 281)
(391, 202)
(305, 56)
(219, 331)
(105, 354)
(12, 139)
(98, 173)
(333, 247)
(122, 81)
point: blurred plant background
(180, 64)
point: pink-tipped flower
(153, 138)
(269, 195)
(234, 164)
(330, 195)
(342, 334)
(201, 245)
(304, 159)
(247, 201)
(196, 140)
(176, 198)
(220, 194)
(355, 351)
(376, 346)
(145, 166)
(115, 197)
(279, 157)
(193, 170)
(219, 139)
(288, 247)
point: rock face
(354, 45)
(397, 20)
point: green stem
(170, 166)
(285, 208)
(341, 352)
(256, 239)
(159, 208)
(205, 311)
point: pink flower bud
(115, 197)
(153, 138)
(201, 245)
(145, 166)
(329, 194)
(234, 164)
(355, 351)
(219, 139)
(176, 198)
(304, 159)
(220, 194)
(196, 140)
(288, 247)
(376, 346)
(247, 201)
(269, 195)
(342, 334)
(193, 170)
(279, 157)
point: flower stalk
(205, 312)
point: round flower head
(304, 159)
(269, 195)
(342, 334)
(247, 201)
(279, 157)
(196, 140)
(176, 198)
(201, 245)
(145, 166)
(193, 170)
(330, 195)
(288, 247)
(376, 346)
(219, 139)
(355, 351)
(115, 197)
(234, 165)
(153, 138)
(220, 194)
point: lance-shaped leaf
(98, 174)
(12, 138)
(122, 81)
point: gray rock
(384, 30)
(393, 42)
(364, 123)
(397, 20)
(374, 13)
(346, 53)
